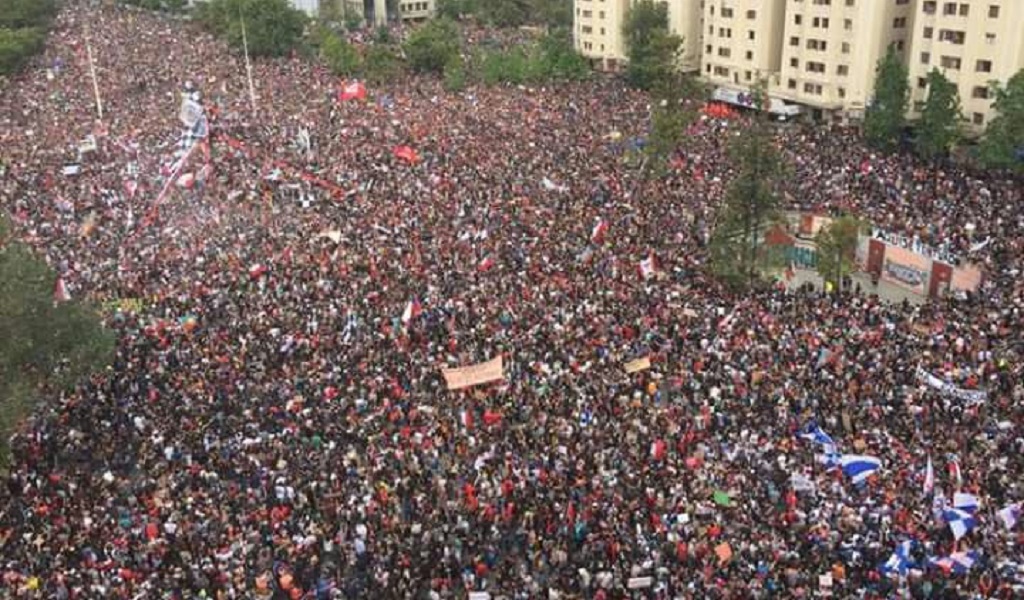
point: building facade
(598, 30)
(832, 48)
(742, 41)
(973, 43)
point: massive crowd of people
(276, 424)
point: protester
(276, 424)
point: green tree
(432, 46)
(560, 60)
(455, 74)
(341, 57)
(555, 14)
(504, 13)
(18, 46)
(1002, 146)
(837, 249)
(674, 109)
(738, 255)
(44, 342)
(652, 50)
(19, 14)
(939, 126)
(381, 64)
(272, 27)
(885, 118)
(456, 9)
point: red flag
(354, 90)
(658, 450)
(407, 154)
(257, 270)
(485, 265)
(412, 310)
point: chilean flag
(412, 310)
(485, 265)
(658, 450)
(406, 153)
(647, 267)
(60, 291)
(352, 91)
(466, 418)
(597, 234)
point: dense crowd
(276, 425)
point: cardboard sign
(637, 583)
(640, 364)
(477, 374)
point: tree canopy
(738, 255)
(652, 50)
(837, 249)
(23, 27)
(1002, 146)
(885, 118)
(432, 46)
(939, 126)
(44, 341)
(272, 27)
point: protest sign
(477, 374)
(640, 364)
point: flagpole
(92, 72)
(248, 64)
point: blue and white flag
(901, 560)
(960, 522)
(859, 467)
(829, 452)
(965, 502)
(1009, 515)
(957, 563)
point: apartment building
(598, 30)
(742, 41)
(973, 42)
(832, 48)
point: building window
(846, 48)
(798, 20)
(990, 38)
(983, 66)
(750, 35)
(950, 62)
(724, 52)
(748, 75)
(750, 55)
(928, 7)
(993, 12)
(953, 37)
(843, 70)
(899, 45)
(791, 84)
(794, 62)
(949, 9)
(926, 58)
(602, 31)
(751, 14)
(794, 41)
(841, 92)
(812, 88)
(965, 9)
(848, 24)
(849, 2)
(819, 45)
(726, 13)
(928, 31)
(899, 23)
(587, 29)
(815, 67)
(721, 71)
(707, 49)
(586, 14)
(979, 92)
(978, 119)
(922, 82)
(707, 68)
(821, 22)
